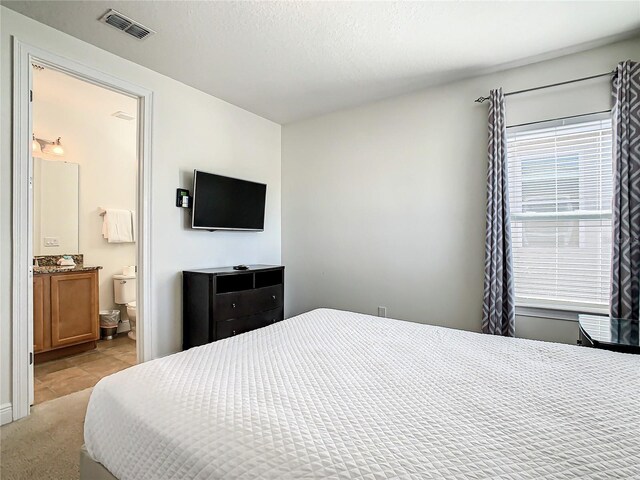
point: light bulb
(55, 148)
(35, 146)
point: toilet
(131, 313)
(124, 290)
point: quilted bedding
(332, 394)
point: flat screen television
(225, 203)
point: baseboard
(6, 414)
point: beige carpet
(46, 444)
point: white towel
(117, 226)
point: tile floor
(71, 374)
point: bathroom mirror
(55, 207)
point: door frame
(22, 241)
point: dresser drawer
(240, 304)
(236, 326)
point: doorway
(84, 197)
(62, 292)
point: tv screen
(225, 203)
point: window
(560, 193)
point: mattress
(332, 394)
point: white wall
(191, 130)
(385, 204)
(105, 148)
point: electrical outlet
(382, 312)
(51, 242)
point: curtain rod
(613, 72)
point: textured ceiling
(291, 60)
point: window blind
(560, 193)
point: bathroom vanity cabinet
(65, 313)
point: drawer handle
(233, 305)
(233, 333)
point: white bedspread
(332, 394)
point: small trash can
(109, 320)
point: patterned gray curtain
(498, 307)
(625, 261)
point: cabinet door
(74, 308)
(40, 311)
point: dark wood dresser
(223, 302)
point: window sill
(555, 313)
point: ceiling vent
(126, 24)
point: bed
(333, 394)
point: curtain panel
(498, 306)
(625, 259)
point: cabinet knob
(273, 296)
(233, 305)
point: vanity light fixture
(47, 146)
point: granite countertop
(63, 269)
